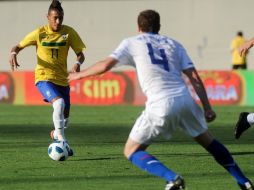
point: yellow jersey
(236, 58)
(52, 51)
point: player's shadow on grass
(106, 133)
(198, 154)
(242, 153)
(95, 159)
(246, 153)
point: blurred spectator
(238, 61)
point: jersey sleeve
(30, 39)
(185, 60)
(76, 42)
(122, 54)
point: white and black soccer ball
(58, 151)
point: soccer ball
(58, 150)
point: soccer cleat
(69, 150)
(241, 125)
(177, 184)
(66, 123)
(247, 186)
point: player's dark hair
(56, 6)
(239, 33)
(149, 21)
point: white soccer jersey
(159, 62)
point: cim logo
(102, 90)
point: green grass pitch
(97, 135)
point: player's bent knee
(58, 106)
(126, 153)
(132, 146)
(129, 150)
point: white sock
(66, 123)
(250, 118)
(58, 118)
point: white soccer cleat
(66, 123)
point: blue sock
(224, 158)
(149, 163)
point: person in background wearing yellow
(238, 61)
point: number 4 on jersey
(163, 61)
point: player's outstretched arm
(97, 69)
(13, 57)
(79, 61)
(198, 86)
(243, 50)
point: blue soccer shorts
(50, 91)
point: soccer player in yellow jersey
(52, 43)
